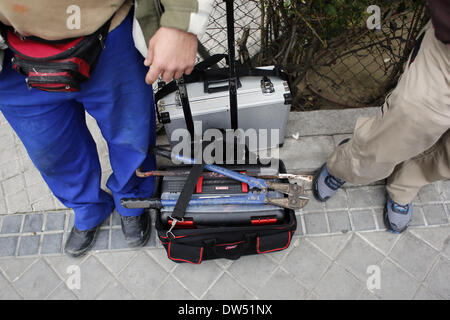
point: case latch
(267, 85)
(165, 117)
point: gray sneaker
(396, 216)
(325, 185)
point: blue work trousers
(52, 126)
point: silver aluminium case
(262, 104)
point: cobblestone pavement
(337, 250)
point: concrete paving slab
(334, 245)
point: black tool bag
(194, 243)
(207, 239)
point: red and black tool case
(219, 215)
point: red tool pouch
(56, 66)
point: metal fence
(354, 68)
(247, 24)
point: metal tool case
(264, 103)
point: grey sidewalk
(333, 248)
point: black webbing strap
(243, 71)
(211, 61)
(232, 64)
(197, 169)
(188, 189)
(219, 74)
(186, 107)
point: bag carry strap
(231, 58)
(211, 61)
(188, 189)
(186, 107)
(185, 196)
(197, 169)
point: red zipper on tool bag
(263, 221)
(199, 187)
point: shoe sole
(142, 242)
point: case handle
(208, 85)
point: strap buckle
(169, 232)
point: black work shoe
(79, 242)
(136, 229)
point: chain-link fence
(247, 16)
(332, 57)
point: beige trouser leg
(414, 118)
(411, 175)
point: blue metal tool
(252, 182)
(291, 189)
(252, 198)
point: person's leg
(407, 179)
(121, 102)
(62, 149)
(414, 117)
(53, 130)
(430, 166)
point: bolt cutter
(296, 198)
(158, 173)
